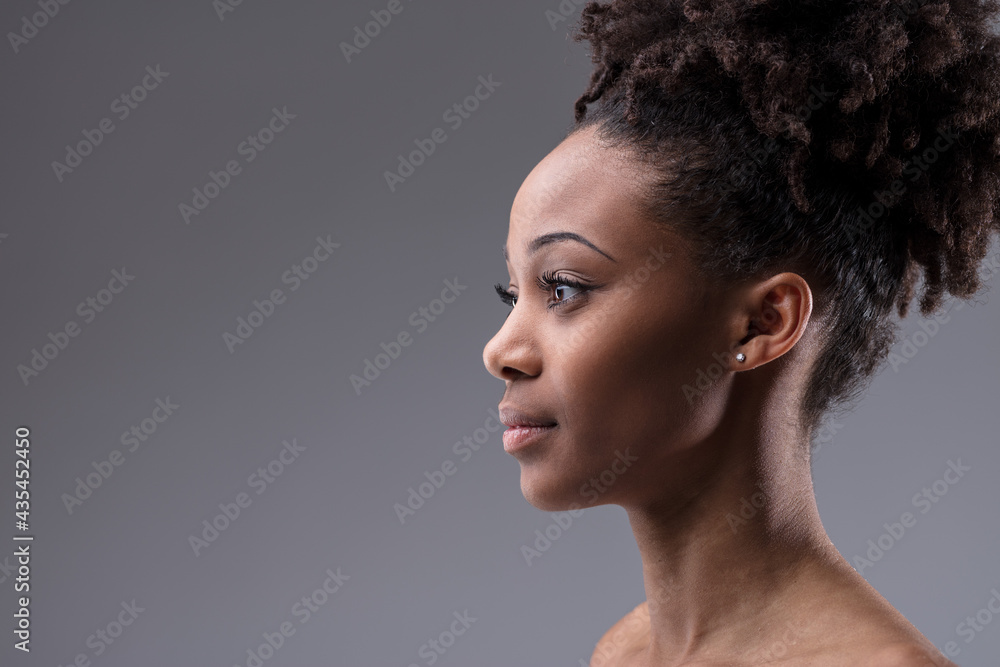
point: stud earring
(741, 357)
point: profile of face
(606, 362)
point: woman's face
(609, 363)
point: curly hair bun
(862, 137)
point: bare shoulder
(872, 636)
(906, 654)
(895, 654)
(624, 637)
(832, 639)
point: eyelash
(545, 283)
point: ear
(774, 316)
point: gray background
(333, 506)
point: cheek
(625, 388)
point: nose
(512, 352)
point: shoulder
(907, 654)
(630, 634)
(624, 636)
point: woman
(708, 264)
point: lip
(515, 418)
(519, 437)
(523, 428)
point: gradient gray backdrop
(333, 506)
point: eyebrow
(555, 237)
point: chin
(551, 494)
(553, 482)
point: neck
(723, 568)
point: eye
(549, 282)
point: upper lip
(513, 417)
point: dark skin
(610, 365)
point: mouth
(523, 428)
(514, 418)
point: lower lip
(516, 438)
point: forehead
(585, 188)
